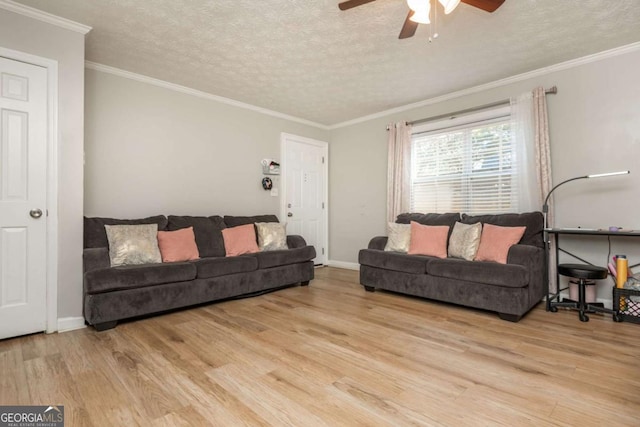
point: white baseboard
(344, 264)
(66, 324)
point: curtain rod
(551, 91)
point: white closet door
(23, 198)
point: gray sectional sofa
(510, 289)
(115, 293)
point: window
(465, 165)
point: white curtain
(398, 170)
(530, 127)
(523, 136)
(543, 167)
(543, 148)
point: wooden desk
(557, 232)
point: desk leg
(557, 241)
(545, 237)
(551, 305)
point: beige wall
(594, 127)
(151, 150)
(27, 35)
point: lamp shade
(601, 175)
(545, 206)
(449, 5)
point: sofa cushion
(137, 276)
(215, 267)
(234, 221)
(429, 218)
(208, 232)
(95, 235)
(490, 273)
(534, 221)
(393, 261)
(285, 257)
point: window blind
(468, 168)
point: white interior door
(23, 197)
(304, 197)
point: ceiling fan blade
(487, 5)
(409, 28)
(353, 3)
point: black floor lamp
(545, 212)
(545, 207)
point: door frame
(52, 178)
(284, 139)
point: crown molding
(498, 83)
(465, 92)
(34, 13)
(200, 94)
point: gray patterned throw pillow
(272, 236)
(399, 237)
(464, 240)
(133, 244)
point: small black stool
(585, 274)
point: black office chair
(585, 274)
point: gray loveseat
(510, 289)
(115, 293)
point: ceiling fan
(419, 11)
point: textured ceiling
(308, 59)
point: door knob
(35, 213)
(289, 214)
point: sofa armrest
(378, 242)
(295, 241)
(525, 255)
(95, 259)
(532, 258)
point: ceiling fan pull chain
(435, 19)
(433, 29)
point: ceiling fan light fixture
(419, 5)
(421, 16)
(449, 5)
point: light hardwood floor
(332, 354)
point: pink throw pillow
(496, 241)
(240, 240)
(179, 245)
(428, 240)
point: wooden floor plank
(333, 354)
